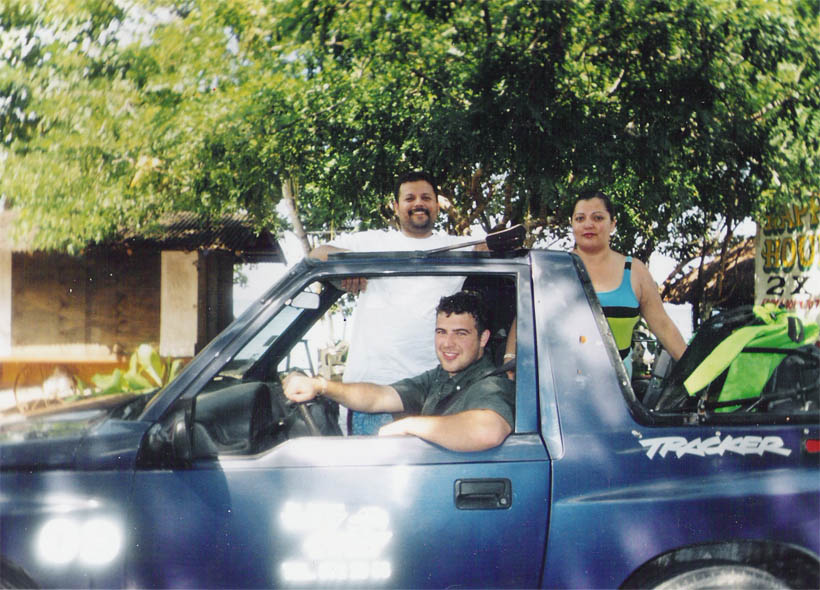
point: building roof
(180, 231)
(188, 231)
(738, 285)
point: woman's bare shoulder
(642, 281)
(639, 266)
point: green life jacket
(751, 354)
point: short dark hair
(595, 194)
(413, 176)
(466, 302)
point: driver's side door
(350, 512)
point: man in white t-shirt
(395, 317)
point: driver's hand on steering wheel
(298, 387)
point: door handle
(483, 494)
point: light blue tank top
(622, 310)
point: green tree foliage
(688, 112)
(691, 113)
(114, 112)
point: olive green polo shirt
(435, 392)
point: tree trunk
(722, 266)
(292, 212)
(697, 298)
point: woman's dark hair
(586, 196)
(466, 302)
(413, 177)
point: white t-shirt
(395, 318)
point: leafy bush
(147, 370)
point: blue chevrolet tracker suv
(218, 481)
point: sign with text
(787, 259)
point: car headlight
(94, 541)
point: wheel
(40, 385)
(722, 576)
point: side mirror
(181, 441)
(169, 443)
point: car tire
(723, 576)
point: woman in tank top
(624, 286)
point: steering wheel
(311, 424)
(301, 408)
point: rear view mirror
(504, 240)
(306, 300)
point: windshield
(263, 341)
(259, 344)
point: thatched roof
(738, 284)
(179, 231)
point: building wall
(101, 299)
(216, 295)
(196, 301)
(88, 314)
(179, 304)
(5, 302)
